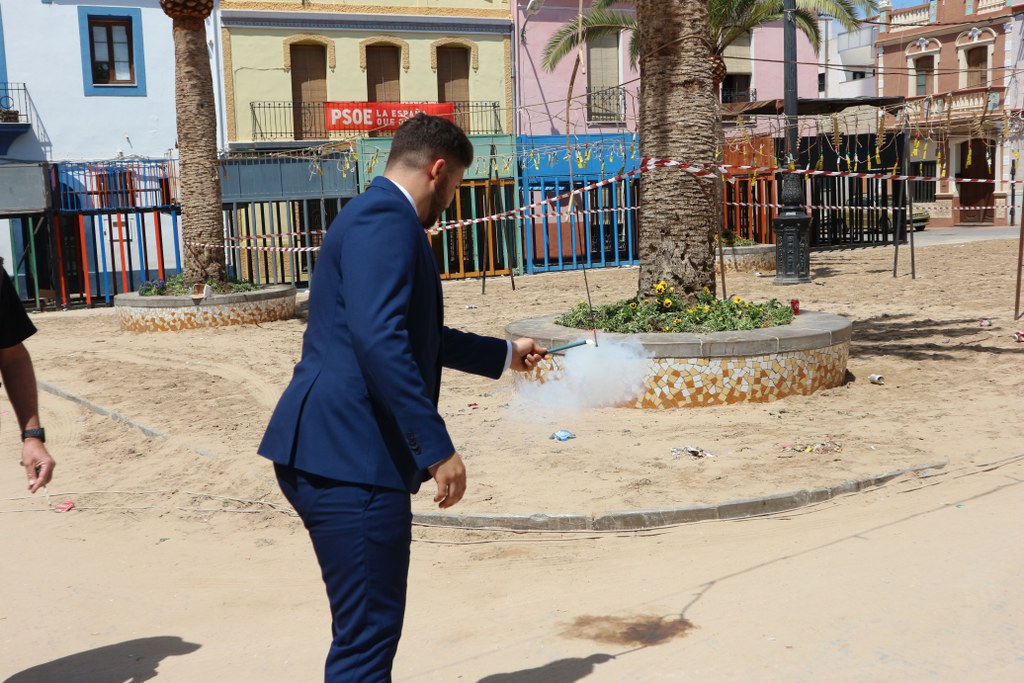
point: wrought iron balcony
(284, 120)
(738, 95)
(606, 105)
(15, 113)
(14, 103)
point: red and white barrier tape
(250, 247)
(246, 238)
(828, 207)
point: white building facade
(94, 80)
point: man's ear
(436, 168)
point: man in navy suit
(357, 430)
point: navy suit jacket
(362, 403)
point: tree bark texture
(199, 177)
(679, 119)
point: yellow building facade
(284, 59)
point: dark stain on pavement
(637, 630)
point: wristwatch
(37, 433)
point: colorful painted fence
(600, 227)
(115, 225)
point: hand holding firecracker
(526, 353)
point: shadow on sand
(922, 338)
(635, 632)
(132, 661)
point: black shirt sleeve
(15, 327)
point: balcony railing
(915, 17)
(14, 103)
(990, 5)
(606, 105)
(283, 120)
(738, 95)
(958, 105)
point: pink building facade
(606, 88)
(604, 94)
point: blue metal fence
(598, 228)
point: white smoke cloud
(592, 377)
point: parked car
(919, 217)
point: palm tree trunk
(199, 177)
(679, 119)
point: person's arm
(19, 379)
(488, 356)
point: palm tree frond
(843, 11)
(807, 22)
(595, 24)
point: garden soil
(193, 519)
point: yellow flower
(690, 310)
(667, 303)
(737, 300)
(706, 308)
(660, 287)
(677, 321)
(707, 291)
(632, 304)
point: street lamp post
(792, 225)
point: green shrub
(662, 313)
(177, 285)
(731, 239)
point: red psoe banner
(381, 116)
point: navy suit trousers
(361, 535)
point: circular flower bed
(162, 313)
(705, 353)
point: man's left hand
(38, 464)
(526, 353)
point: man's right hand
(450, 475)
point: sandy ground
(169, 566)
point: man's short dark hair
(423, 138)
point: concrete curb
(642, 520)
(106, 412)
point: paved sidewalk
(962, 234)
(916, 582)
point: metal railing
(966, 103)
(738, 95)
(909, 20)
(606, 105)
(115, 185)
(14, 103)
(285, 120)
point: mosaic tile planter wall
(759, 257)
(164, 313)
(695, 370)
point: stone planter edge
(135, 300)
(809, 330)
